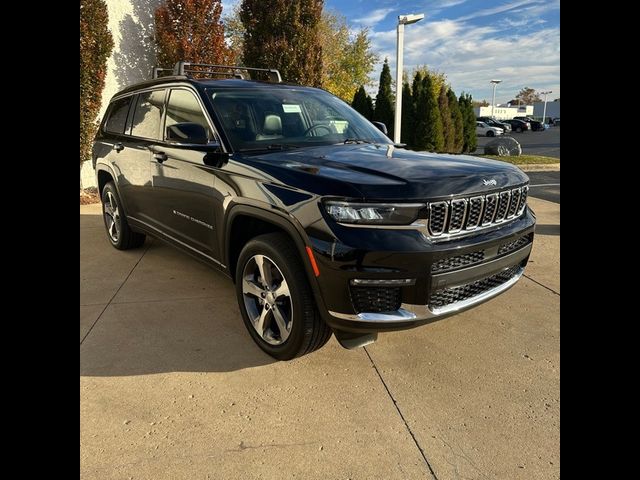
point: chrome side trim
(176, 240)
(409, 312)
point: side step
(354, 340)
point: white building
(553, 109)
(132, 25)
(503, 112)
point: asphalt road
(545, 143)
(545, 185)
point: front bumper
(417, 305)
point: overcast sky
(470, 41)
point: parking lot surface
(172, 386)
(546, 143)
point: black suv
(323, 223)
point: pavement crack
(149, 242)
(544, 286)
(395, 404)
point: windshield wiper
(273, 146)
(356, 141)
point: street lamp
(402, 21)
(493, 103)
(544, 111)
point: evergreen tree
(469, 119)
(420, 113)
(363, 103)
(384, 100)
(456, 122)
(284, 34)
(429, 124)
(408, 115)
(445, 116)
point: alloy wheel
(112, 217)
(267, 299)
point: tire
(119, 232)
(490, 133)
(264, 309)
(518, 129)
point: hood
(386, 172)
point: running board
(354, 340)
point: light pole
(493, 103)
(402, 21)
(544, 111)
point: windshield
(259, 119)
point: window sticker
(291, 108)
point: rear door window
(146, 119)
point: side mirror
(381, 126)
(187, 133)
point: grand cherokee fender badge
(491, 182)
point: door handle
(160, 157)
(118, 147)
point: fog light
(392, 282)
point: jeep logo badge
(490, 182)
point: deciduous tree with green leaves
(284, 34)
(96, 44)
(384, 100)
(190, 30)
(347, 59)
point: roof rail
(187, 69)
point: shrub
(96, 44)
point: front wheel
(275, 298)
(491, 133)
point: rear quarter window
(118, 115)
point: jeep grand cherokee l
(323, 224)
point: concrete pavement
(172, 386)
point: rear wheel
(490, 133)
(118, 230)
(519, 129)
(275, 298)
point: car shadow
(545, 229)
(196, 328)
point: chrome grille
(475, 212)
(462, 215)
(458, 211)
(515, 201)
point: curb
(540, 167)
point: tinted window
(183, 107)
(118, 116)
(146, 120)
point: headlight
(373, 213)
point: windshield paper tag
(291, 108)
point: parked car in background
(556, 122)
(492, 122)
(518, 125)
(487, 130)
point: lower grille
(446, 296)
(458, 261)
(375, 299)
(516, 244)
